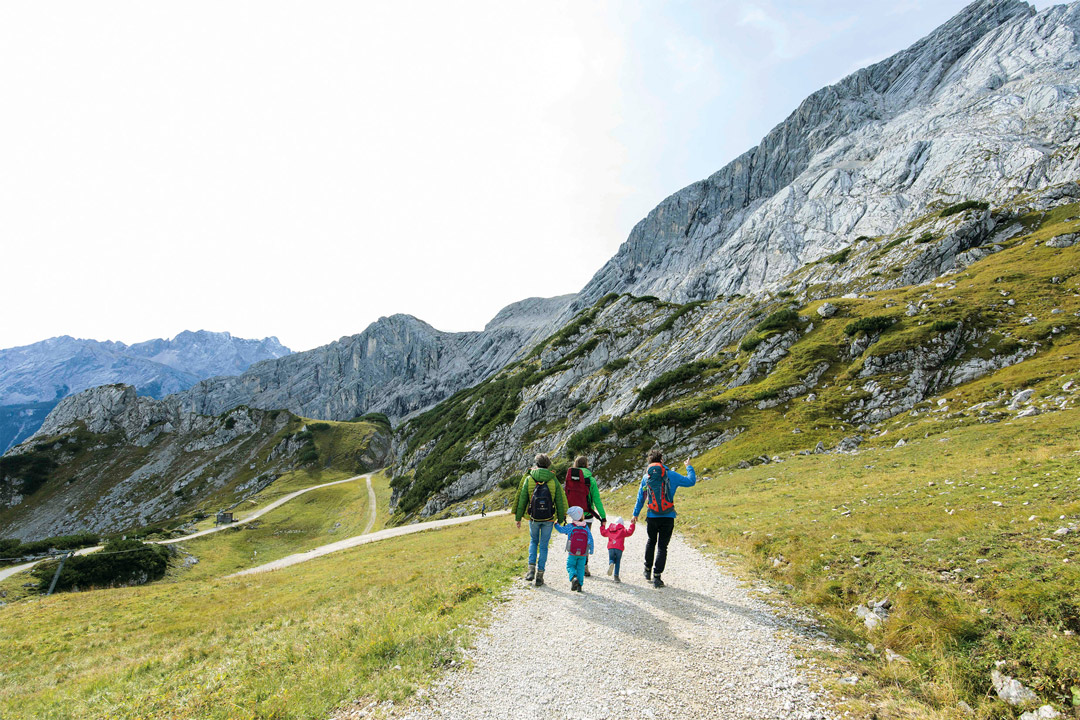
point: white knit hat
(576, 513)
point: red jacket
(616, 535)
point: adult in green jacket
(581, 490)
(542, 500)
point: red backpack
(577, 489)
(578, 542)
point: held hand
(518, 524)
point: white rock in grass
(1010, 689)
(1046, 712)
(891, 656)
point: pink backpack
(578, 542)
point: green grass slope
(371, 623)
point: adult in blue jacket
(660, 521)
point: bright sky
(299, 169)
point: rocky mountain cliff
(108, 460)
(970, 313)
(983, 108)
(397, 366)
(34, 377)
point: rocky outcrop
(981, 109)
(116, 461)
(398, 366)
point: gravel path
(702, 647)
(372, 509)
(352, 542)
(9, 571)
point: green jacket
(528, 484)
(594, 496)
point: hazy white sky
(300, 169)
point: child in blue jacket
(660, 520)
(579, 545)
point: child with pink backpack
(579, 545)
(616, 533)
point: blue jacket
(675, 481)
(565, 530)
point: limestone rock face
(397, 366)
(975, 111)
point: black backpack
(542, 504)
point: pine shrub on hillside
(120, 563)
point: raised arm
(640, 499)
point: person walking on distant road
(658, 487)
(542, 500)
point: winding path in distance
(352, 542)
(372, 509)
(15, 569)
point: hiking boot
(587, 573)
(574, 586)
(529, 576)
(657, 582)
(539, 578)
(648, 573)
(610, 568)
(616, 579)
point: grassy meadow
(957, 529)
(370, 623)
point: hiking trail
(368, 537)
(705, 646)
(14, 569)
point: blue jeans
(539, 539)
(615, 558)
(575, 567)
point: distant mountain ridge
(35, 377)
(398, 365)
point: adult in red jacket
(580, 488)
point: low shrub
(779, 320)
(943, 325)
(679, 375)
(588, 435)
(319, 427)
(964, 206)
(868, 325)
(617, 364)
(121, 562)
(509, 483)
(924, 238)
(838, 258)
(683, 310)
(751, 341)
(375, 418)
(11, 548)
(30, 470)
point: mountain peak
(890, 139)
